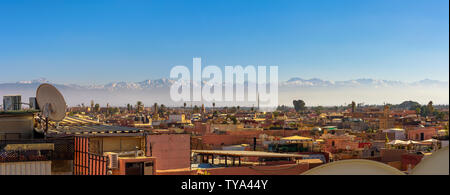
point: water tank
(12, 102)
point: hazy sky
(89, 41)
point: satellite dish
(354, 167)
(435, 164)
(51, 102)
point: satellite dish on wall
(435, 164)
(51, 102)
(354, 167)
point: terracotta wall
(390, 155)
(199, 128)
(428, 133)
(172, 151)
(289, 169)
(341, 144)
(219, 140)
(412, 159)
(244, 136)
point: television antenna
(51, 104)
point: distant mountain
(314, 91)
(303, 82)
(356, 83)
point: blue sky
(90, 41)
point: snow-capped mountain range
(299, 82)
(316, 91)
(357, 82)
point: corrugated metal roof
(72, 125)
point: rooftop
(73, 125)
(247, 153)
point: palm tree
(214, 106)
(353, 106)
(139, 106)
(155, 108)
(97, 108)
(184, 107)
(129, 107)
(430, 108)
(162, 109)
(196, 109)
(418, 111)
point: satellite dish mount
(51, 103)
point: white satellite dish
(354, 167)
(435, 164)
(51, 102)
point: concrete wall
(62, 167)
(99, 145)
(26, 168)
(16, 126)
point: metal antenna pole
(46, 127)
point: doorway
(134, 168)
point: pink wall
(428, 133)
(342, 144)
(218, 140)
(172, 151)
(199, 128)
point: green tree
(430, 108)
(97, 108)
(233, 118)
(299, 105)
(196, 109)
(318, 110)
(276, 114)
(418, 110)
(162, 110)
(139, 106)
(353, 107)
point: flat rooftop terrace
(247, 153)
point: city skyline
(103, 42)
